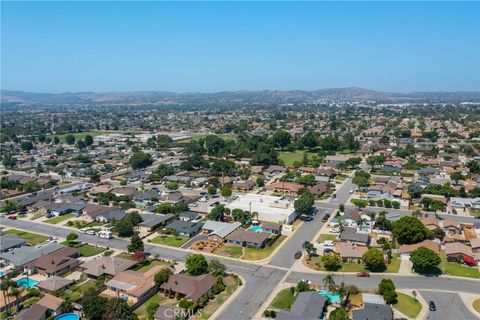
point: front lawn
(60, 218)
(230, 251)
(315, 263)
(284, 299)
(171, 241)
(141, 312)
(231, 284)
(475, 213)
(87, 250)
(324, 237)
(394, 265)
(476, 305)
(150, 264)
(31, 238)
(407, 305)
(455, 269)
(259, 254)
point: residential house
(373, 311)
(131, 285)
(185, 228)
(351, 235)
(94, 212)
(61, 209)
(243, 237)
(124, 191)
(20, 257)
(307, 305)
(188, 216)
(9, 242)
(106, 265)
(53, 284)
(350, 252)
(288, 188)
(458, 250)
(34, 312)
(271, 227)
(57, 262)
(151, 222)
(318, 189)
(217, 231)
(243, 186)
(190, 287)
(406, 249)
(52, 304)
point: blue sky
(215, 46)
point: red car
(12, 217)
(363, 274)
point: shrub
(185, 303)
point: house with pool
(247, 238)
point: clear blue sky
(215, 46)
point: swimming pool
(256, 229)
(333, 297)
(68, 316)
(26, 283)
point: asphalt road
(284, 257)
(449, 306)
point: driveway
(449, 306)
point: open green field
(407, 305)
(224, 136)
(81, 135)
(284, 299)
(324, 237)
(60, 218)
(31, 238)
(455, 269)
(289, 157)
(171, 241)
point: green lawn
(315, 263)
(455, 269)
(60, 218)
(171, 241)
(407, 305)
(258, 254)
(150, 265)
(31, 238)
(141, 312)
(394, 265)
(230, 251)
(283, 300)
(324, 237)
(76, 292)
(81, 135)
(125, 255)
(87, 250)
(475, 213)
(289, 157)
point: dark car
(297, 255)
(326, 217)
(12, 217)
(363, 274)
(305, 243)
(305, 217)
(477, 217)
(334, 196)
(432, 306)
(327, 250)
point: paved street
(449, 306)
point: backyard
(141, 312)
(77, 291)
(31, 238)
(150, 264)
(60, 218)
(407, 305)
(231, 284)
(171, 241)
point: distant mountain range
(264, 97)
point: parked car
(328, 243)
(12, 217)
(297, 255)
(352, 191)
(363, 274)
(305, 280)
(334, 196)
(327, 250)
(305, 243)
(305, 217)
(91, 232)
(432, 306)
(326, 217)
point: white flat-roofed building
(269, 208)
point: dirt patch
(205, 246)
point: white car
(194, 204)
(305, 280)
(82, 230)
(352, 191)
(328, 243)
(91, 232)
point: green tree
(88, 140)
(70, 139)
(329, 281)
(81, 144)
(260, 182)
(281, 139)
(409, 230)
(136, 244)
(303, 286)
(140, 160)
(117, 308)
(331, 262)
(124, 228)
(304, 203)
(26, 145)
(387, 289)
(56, 140)
(72, 237)
(424, 260)
(162, 276)
(214, 145)
(94, 306)
(217, 213)
(216, 268)
(212, 190)
(164, 208)
(373, 259)
(196, 264)
(226, 191)
(171, 185)
(151, 309)
(339, 314)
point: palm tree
(4, 286)
(329, 281)
(15, 292)
(342, 289)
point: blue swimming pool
(68, 316)
(332, 297)
(26, 283)
(256, 229)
